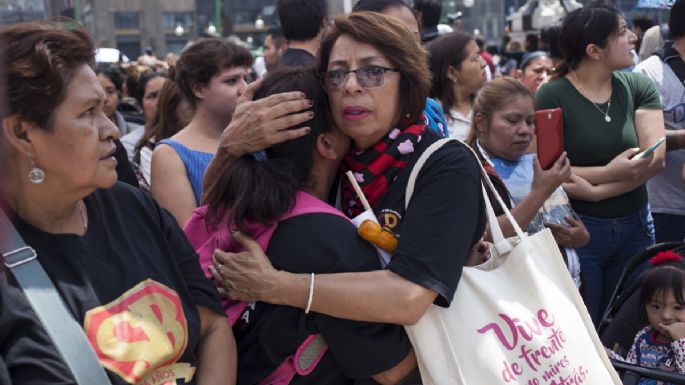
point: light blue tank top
(196, 163)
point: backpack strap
(670, 56)
(309, 204)
(303, 362)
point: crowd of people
(200, 226)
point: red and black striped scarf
(377, 167)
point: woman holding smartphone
(609, 115)
(503, 128)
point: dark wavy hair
(594, 24)
(448, 50)
(262, 191)
(40, 59)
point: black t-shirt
(267, 334)
(295, 57)
(445, 218)
(132, 281)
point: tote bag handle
(500, 242)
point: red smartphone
(549, 133)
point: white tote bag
(516, 319)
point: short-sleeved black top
(133, 282)
(267, 334)
(445, 218)
(295, 57)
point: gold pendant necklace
(607, 118)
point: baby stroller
(621, 320)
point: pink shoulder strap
(205, 240)
(309, 204)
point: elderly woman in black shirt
(120, 263)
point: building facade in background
(167, 25)
(15, 11)
(250, 20)
(488, 17)
(133, 25)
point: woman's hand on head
(262, 123)
(628, 167)
(548, 180)
(574, 236)
(244, 276)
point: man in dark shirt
(428, 12)
(302, 22)
(274, 48)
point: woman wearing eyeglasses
(377, 80)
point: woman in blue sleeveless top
(212, 74)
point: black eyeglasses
(367, 77)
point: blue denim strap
(63, 329)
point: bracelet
(311, 294)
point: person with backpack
(667, 69)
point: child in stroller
(661, 344)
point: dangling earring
(36, 175)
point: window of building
(126, 20)
(129, 45)
(175, 44)
(172, 19)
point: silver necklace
(84, 216)
(607, 118)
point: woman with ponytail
(609, 117)
(277, 196)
